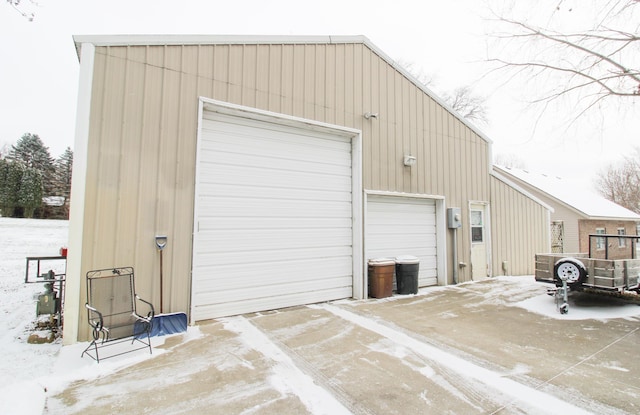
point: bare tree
(462, 100)
(426, 79)
(19, 6)
(590, 63)
(467, 104)
(620, 182)
(510, 161)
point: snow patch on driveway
(538, 401)
(601, 310)
(287, 377)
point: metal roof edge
(192, 39)
(614, 219)
(158, 40)
(559, 201)
(572, 208)
(506, 180)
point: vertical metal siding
(143, 130)
(519, 227)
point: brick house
(578, 213)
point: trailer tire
(574, 273)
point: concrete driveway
(467, 349)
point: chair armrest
(152, 313)
(93, 310)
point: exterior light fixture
(409, 161)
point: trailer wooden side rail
(595, 269)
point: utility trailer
(611, 265)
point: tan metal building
(276, 167)
(577, 213)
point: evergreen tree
(4, 193)
(31, 152)
(10, 181)
(28, 173)
(62, 184)
(30, 193)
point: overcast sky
(445, 39)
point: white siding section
(403, 226)
(274, 217)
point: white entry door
(479, 242)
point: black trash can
(407, 268)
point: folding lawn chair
(113, 315)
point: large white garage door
(403, 226)
(273, 217)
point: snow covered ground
(22, 363)
(29, 372)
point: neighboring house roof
(131, 40)
(584, 201)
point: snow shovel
(170, 323)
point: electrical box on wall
(454, 218)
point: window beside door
(477, 226)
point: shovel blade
(164, 324)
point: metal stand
(562, 297)
(55, 280)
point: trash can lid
(407, 259)
(381, 261)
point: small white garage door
(273, 217)
(403, 226)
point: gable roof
(166, 40)
(581, 199)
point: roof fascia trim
(506, 180)
(162, 40)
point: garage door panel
(316, 162)
(387, 207)
(270, 194)
(284, 290)
(403, 226)
(259, 181)
(229, 127)
(267, 153)
(283, 239)
(274, 148)
(404, 229)
(269, 303)
(304, 187)
(248, 276)
(275, 209)
(259, 286)
(231, 223)
(274, 217)
(282, 166)
(281, 179)
(336, 253)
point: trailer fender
(570, 269)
